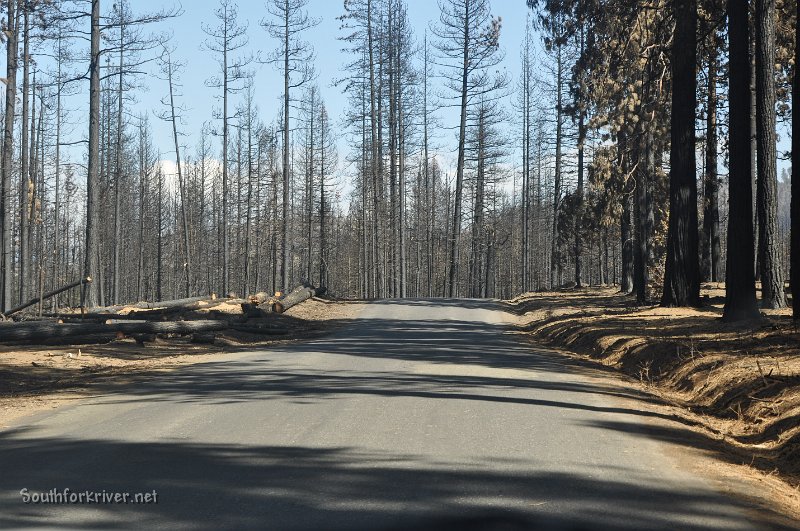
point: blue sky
(200, 100)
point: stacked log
(179, 304)
(303, 293)
(150, 319)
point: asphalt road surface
(418, 415)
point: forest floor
(38, 378)
(736, 386)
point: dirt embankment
(36, 378)
(741, 383)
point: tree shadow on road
(452, 359)
(306, 488)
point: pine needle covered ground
(738, 384)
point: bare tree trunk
(57, 187)
(393, 140)
(24, 177)
(323, 258)
(184, 216)
(6, 253)
(772, 290)
(309, 193)
(142, 194)
(249, 212)
(626, 231)
(555, 258)
(365, 254)
(711, 238)
(795, 206)
(160, 236)
(462, 127)
(579, 190)
(401, 174)
(33, 185)
(92, 258)
(377, 280)
(740, 295)
(682, 274)
(285, 234)
(429, 188)
(115, 297)
(225, 243)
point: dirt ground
(34, 378)
(738, 386)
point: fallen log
(160, 305)
(297, 296)
(40, 330)
(221, 302)
(259, 297)
(48, 331)
(253, 310)
(48, 295)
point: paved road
(420, 413)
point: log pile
(303, 293)
(201, 318)
(280, 304)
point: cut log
(174, 303)
(41, 332)
(258, 298)
(252, 310)
(48, 295)
(221, 302)
(38, 331)
(300, 294)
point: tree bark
(297, 296)
(115, 294)
(12, 52)
(144, 305)
(579, 189)
(36, 330)
(225, 243)
(641, 236)
(712, 264)
(795, 207)
(772, 290)
(92, 250)
(555, 256)
(740, 294)
(682, 274)
(25, 147)
(626, 231)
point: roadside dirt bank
(737, 386)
